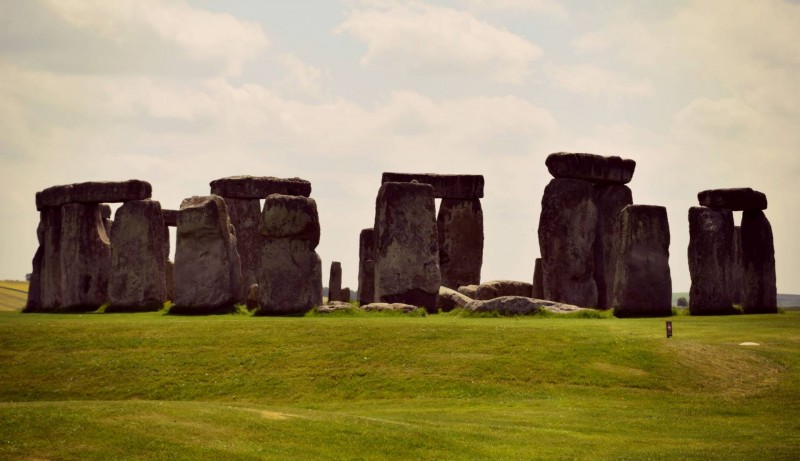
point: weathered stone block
(294, 217)
(643, 283)
(591, 167)
(85, 258)
(453, 186)
(170, 217)
(711, 261)
(610, 200)
(366, 267)
(498, 288)
(289, 277)
(50, 219)
(758, 258)
(259, 187)
(738, 199)
(538, 279)
(335, 283)
(460, 229)
(245, 215)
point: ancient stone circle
(599, 249)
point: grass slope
(13, 295)
(148, 386)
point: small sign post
(669, 329)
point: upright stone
(34, 301)
(610, 199)
(460, 230)
(245, 215)
(108, 224)
(366, 267)
(538, 280)
(711, 261)
(50, 219)
(643, 284)
(567, 229)
(758, 257)
(207, 272)
(290, 271)
(345, 294)
(738, 267)
(406, 245)
(138, 263)
(85, 258)
(335, 283)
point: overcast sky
(702, 94)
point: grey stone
(567, 230)
(538, 279)
(499, 288)
(207, 273)
(245, 215)
(406, 245)
(289, 277)
(758, 257)
(50, 242)
(34, 301)
(469, 291)
(711, 261)
(460, 229)
(259, 187)
(519, 305)
(333, 306)
(591, 167)
(94, 192)
(738, 267)
(450, 299)
(288, 216)
(138, 264)
(85, 258)
(169, 270)
(390, 307)
(105, 211)
(738, 199)
(335, 283)
(455, 186)
(170, 217)
(609, 200)
(366, 266)
(643, 284)
(345, 293)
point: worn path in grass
(148, 386)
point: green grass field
(150, 386)
(13, 295)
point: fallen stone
(406, 245)
(138, 265)
(334, 306)
(643, 285)
(519, 305)
(591, 167)
(470, 291)
(738, 199)
(259, 187)
(567, 230)
(538, 281)
(460, 230)
(85, 258)
(498, 288)
(450, 299)
(366, 266)
(451, 186)
(390, 307)
(758, 259)
(610, 200)
(711, 261)
(288, 216)
(207, 272)
(335, 283)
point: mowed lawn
(150, 386)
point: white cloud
(550, 8)
(592, 80)
(438, 40)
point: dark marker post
(669, 329)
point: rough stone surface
(738, 266)
(460, 228)
(567, 229)
(108, 225)
(609, 200)
(259, 187)
(643, 286)
(94, 192)
(450, 299)
(138, 264)
(105, 211)
(252, 297)
(85, 258)
(498, 288)
(169, 269)
(346, 294)
(50, 241)
(288, 216)
(289, 277)
(333, 306)
(366, 266)
(406, 245)
(711, 261)
(170, 217)
(207, 273)
(538, 279)
(758, 257)
(469, 291)
(591, 167)
(335, 283)
(34, 301)
(245, 215)
(519, 305)
(390, 307)
(738, 199)
(455, 186)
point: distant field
(13, 295)
(784, 300)
(149, 386)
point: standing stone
(610, 200)
(643, 284)
(711, 261)
(345, 294)
(758, 257)
(366, 267)
(50, 280)
(460, 230)
(34, 301)
(169, 271)
(138, 263)
(538, 280)
(85, 258)
(108, 224)
(289, 271)
(207, 273)
(738, 267)
(406, 245)
(567, 229)
(252, 297)
(245, 215)
(335, 282)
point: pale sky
(702, 94)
